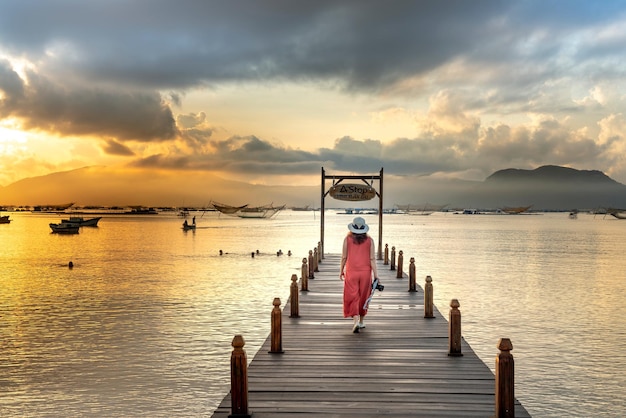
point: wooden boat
(189, 226)
(4, 219)
(619, 215)
(515, 210)
(64, 228)
(266, 211)
(227, 209)
(420, 209)
(80, 221)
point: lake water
(143, 323)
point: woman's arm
(344, 257)
(373, 258)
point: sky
(270, 91)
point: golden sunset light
(459, 91)
(183, 182)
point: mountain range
(545, 188)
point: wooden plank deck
(398, 366)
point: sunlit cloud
(448, 89)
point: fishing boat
(80, 221)
(619, 214)
(227, 209)
(421, 209)
(515, 210)
(64, 228)
(189, 226)
(4, 219)
(265, 212)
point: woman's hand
(341, 276)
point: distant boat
(421, 209)
(619, 215)
(64, 228)
(573, 214)
(471, 212)
(515, 210)
(301, 208)
(265, 212)
(140, 210)
(227, 209)
(80, 221)
(4, 219)
(187, 227)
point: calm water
(142, 325)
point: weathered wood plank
(397, 366)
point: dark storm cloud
(43, 104)
(364, 43)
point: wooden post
(311, 265)
(428, 298)
(393, 258)
(399, 274)
(386, 262)
(455, 329)
(315, 258)
(239, 379)
(412, 281)
(294, 298)
(505, 380)
(319, 252)
(276, 329)
(304, 278)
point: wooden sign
(352, 192)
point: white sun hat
(358, 226)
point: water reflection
(142, 325)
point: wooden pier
(398, 366)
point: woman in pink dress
(358, 262)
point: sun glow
(11, 141)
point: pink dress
(358, 278)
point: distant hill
(103, 186)
(551, 188)
(546, 188)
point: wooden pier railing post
(428, 298)
(412, 281)
(276, 331)
(239, 379)
(294, 298)
(386, 261)
(505, 380)
(399, 274)
(315, 259)
(319, 252)
(304, 278)
(393, 258)
(455, 329)
(311, 265)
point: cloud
(115, 148)
(489, 84)
(465, 146)
(65, 109)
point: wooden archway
(337, 179)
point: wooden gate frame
(338, 179)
